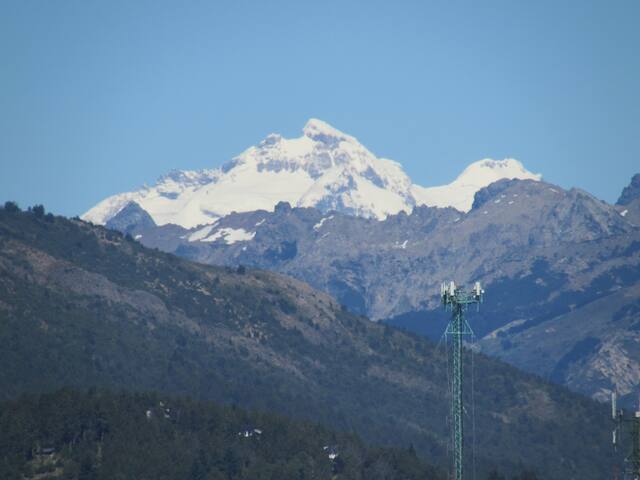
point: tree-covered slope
(84, 306)
(99, 435)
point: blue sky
(100, 97)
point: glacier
(324, 168)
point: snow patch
(624, 213)
(200, 234)
(318, 225)
(230, 235)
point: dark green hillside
(84, 306)
(101, 435)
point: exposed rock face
(541, 251)
(629, 202)
(631, 192)
(131, 217)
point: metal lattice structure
(458, 300)
(632, 461)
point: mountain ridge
(542, 252)
(82, 305)
(324, 168)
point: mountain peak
(631, 191)
(490, 170)
(321, 131)
(460, 193)
(271, 139)
(324, 168)
(132, 216)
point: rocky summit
(324, 168)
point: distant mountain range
(81, 305)
(561, 268)
(324, 168)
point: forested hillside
(98, 435)
(541, 251)
(84, 306)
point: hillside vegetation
(84, 306)
(102, 435)
(545, 255)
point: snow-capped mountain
(459, 194)
(324, 168)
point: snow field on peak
(324, 168)
(459, 194)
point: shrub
(38, 210)
(11, 207)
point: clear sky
(99, 97)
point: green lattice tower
(633, 460)
(458, 301)
(632, 428)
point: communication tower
(457, 300)
(631, 461)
